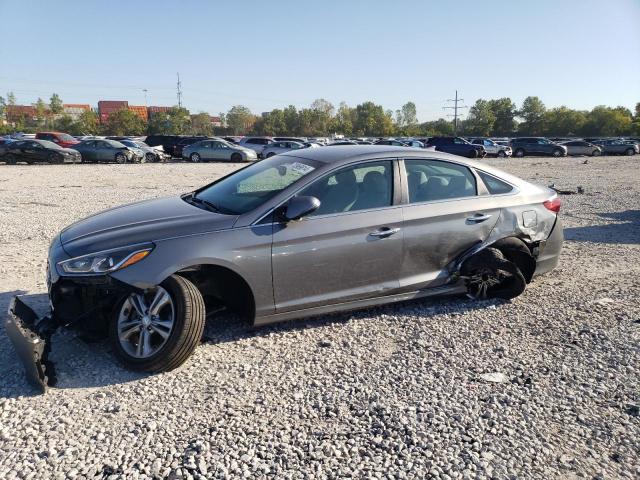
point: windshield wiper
(210, 205)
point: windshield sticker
(301, 168)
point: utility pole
(179, 86)
(146, 103)
(455, 111)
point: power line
(455, 111)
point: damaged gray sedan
(303, 233)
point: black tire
(10, 159)
(195, 157)
(121, 158)
(149, 157)
(236, 157)
(519, 152)
(269, 155)
(473, 153)
(53, 158)
(501, 154)
(630, 151)
(557, 152)
(184, 337)
(488, 274)
(596, 153)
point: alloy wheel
(145, 322)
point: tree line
(493, 117)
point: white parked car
(492, 148)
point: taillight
(553, 204)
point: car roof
(344, 154)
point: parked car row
(53, 147)
(56, 147)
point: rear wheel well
(221, 286)
(518, 252)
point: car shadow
(80, 364)
(625, 229)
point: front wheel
(473, 153)
(270, 154)
(519, 153)
(10, 159)
(120, 158)
(488, 274)
(630, 151)
(149, 157)
(195, 157)
(158, 330)
(236, 157)
(596, 153)
(501, 154)
(557, 153)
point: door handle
(478, 218)
(384, 232)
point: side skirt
(454, 289)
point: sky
(266, 55)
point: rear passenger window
(495, 186)
(430, 180)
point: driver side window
(360, 187)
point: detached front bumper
(31, 338)
(83, 302)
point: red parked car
(63, 139)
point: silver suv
(257, 144)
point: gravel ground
(544, 386)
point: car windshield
(48, 144)
(128, 143)
(250, 187)
(65, 137)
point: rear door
(348, 249)
(443, 217)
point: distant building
(16, 113)
(153, 110)
(141, 110)
(75, 110)
(107, 107)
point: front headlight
(104, 262)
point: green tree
(124, 122)
(201, 124)
(342, 122)
(11, 98)
(3, 108)
(407, 115)
(437, 127)
(481, 119)
(564, 121)
(65, 124)
(41, 111)
(504, 111)
(371, 120)
(533, 114)
(87, 124)
(240, 119)
(607, 121)
(55, 104)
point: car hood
(69, 150)
(146, 221)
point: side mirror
(298, 207)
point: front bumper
(85, 302)
(31, 337)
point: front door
(443, 218)
(349, 248)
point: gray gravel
(544, 386)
